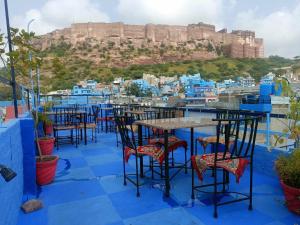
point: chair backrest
(119, 110)
(240, 143)
(66, 117)
(95, 112)
(230, 114)
(167, 113)
(124, 124)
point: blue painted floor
(88, 190)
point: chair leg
(72, 140)
(124, 169)
(185, 161)
(117, 138)
(173, 158)
(137, 176)
(95, 135)
(215, 193)
(251, 182)
(56, 140)
(151, 167)
(193, 181)
(224, 180)
(76, 137)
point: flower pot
(48, 129)
(45, 169)
(292, 197)
(46, 145)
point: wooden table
(172, 124)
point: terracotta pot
(48, 129)
(292, 197)
(46, 145)
(45, 169)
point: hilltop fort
(194, 41)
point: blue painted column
(268, 130)
(29, 165)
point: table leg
(192, 153)
(85, 135)
(106, 122)
(101, 116)
(167, 181)
(140, 143)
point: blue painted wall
(11, 155)
(16, 142)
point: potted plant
(288, 168)
(45, 164)
(48, 125)
(46, 143)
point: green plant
(47, 106)
(288, 168)
(292, 127)
(42, 117)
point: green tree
(134, 89)
(20, 56)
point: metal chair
(130, 147)
(231, 158)
(211, 140)
(65, 120)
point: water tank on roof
(266, 89)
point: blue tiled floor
(88, 190)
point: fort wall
(240, 44)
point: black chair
(211, 140)
(231, 158)
(130, 147)
(65, 120)
(88, 121)
(118, 110)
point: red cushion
(235, 166)
(151, 150)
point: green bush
(288, 168)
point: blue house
(145, 86)
(79, 90)
(195, 86)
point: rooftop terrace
(88, 189)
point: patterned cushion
(235, 166)
(173, 141)
(151, 150)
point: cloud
(181, 12)
(56, 14)
(280, 29)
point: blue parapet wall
(256, 107)
(16, 142)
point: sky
(276, 21)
